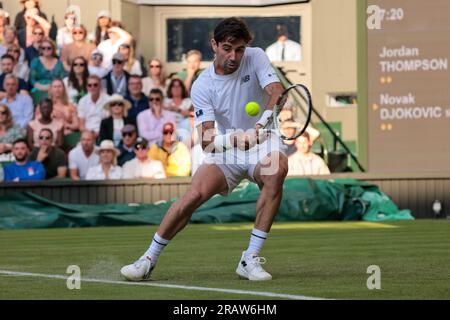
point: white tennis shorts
(237, 165)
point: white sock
(256, 241)
(158, 244)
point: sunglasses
(44, 138)
(117, 62)
(117, 104)
(128, 134)
(140, 147)
(127, 46)
(155, 66)
(79, 65)
(3, 112)
(97, 56)
(167, 132)
(14, 50)
(38, 33)
(155, 99)
(92, 85)
(46, 48)
(78, 32)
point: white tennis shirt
(222, 98)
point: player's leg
(208, 181)
(269, 174)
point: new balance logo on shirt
(245, 79)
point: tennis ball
(252, 108)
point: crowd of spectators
(83, 106)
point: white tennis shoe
(138, 271)
(249, 267)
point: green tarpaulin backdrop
(303, 200)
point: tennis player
(239, 74)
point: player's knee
(195, 196)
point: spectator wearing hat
(78, 48)
(111, 127)
(116, 81)
(95, 64)
(305, 162)
(52, 158)
(126, 146)
(142, 166)
(117, 36)
(83, 156)
(151, 121)
(139, 101)
(107, 169)
(289, 127)
(90, 107)
(174, 155)
(101, 29)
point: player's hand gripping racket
(291, 114)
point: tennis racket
(292, 113)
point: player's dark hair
(7, 56)
(232, 29)
(21, 140)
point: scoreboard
(408, 85)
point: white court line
(161, 285)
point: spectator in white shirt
(284, 49)
(142, 166)
(109, 47)
(83, 156)
(95, 64)
(90, 107)
(107, 169)
(304, 162)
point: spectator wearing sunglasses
(76, 81)
(116, 81)
(151, 121)
(23, 169)
(26, 35)
(32, 51)
(111, 127)
(142, 166)
(90, 107)
(156, 77)
(45, 121)
(95, 64)
(44, 70)
(174, 155)
(126, 146)
(78, 48)
(52, 158)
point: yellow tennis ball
(252, 108)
